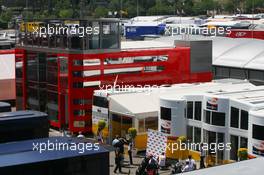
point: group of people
(150, 165)
(118, 144)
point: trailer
(23, 157)
(23, 125)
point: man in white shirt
(187, 167)
(115, 141)
(191, 162)
(162, 160)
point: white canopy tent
(134, 105)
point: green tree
(161, 8)
(100, 12)
(6, 15)
(66, 13)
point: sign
(156, 143)
(165, 126)
(217, 104)
(212, 104)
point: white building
(222, 111)
(230, 113)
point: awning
(139, 105)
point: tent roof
(129, 104)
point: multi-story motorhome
(57, 73)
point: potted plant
(183, 152)
(182, 139)
(242, 154)
(132, 132)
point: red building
(58, 73)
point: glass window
(237, 73)
(82, 101)
(197, 135)
(220, 153)
(258, 132)
(243, 142)
(234, 147)
(218, 118)
(198, 109)
(110, 37)
(244, 120)
(151, 123)
(190, 110)
(52, 105)
(205, 136)
(100, 101)
(222, 72)
(19, 69)
(165, 113)
(207, 116)
(190, 133)
(234, 117)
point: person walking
(118, 162)
(130, 149)
(202, 157)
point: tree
(100, 12)
(6, 16)
(66, 13)
(161, 8)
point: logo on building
(240, 34)
(212, 104)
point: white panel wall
(7, 66)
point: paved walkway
(130, 168)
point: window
(243, 142)
(234, 117)
(115, 71)
(190, 110)
(151, 123)
(218, 118)
(190, 133)
(234, 147)
(82, 101)
(222, 72)
(100, 101)
(197, 135)
(258, 132)
(207, 116)
(137, 59)
(165, 113)
(244, 120)
(197, 111)
(237, 73)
